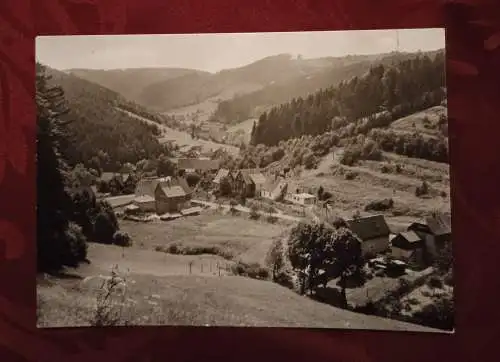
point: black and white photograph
(294, 179)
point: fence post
(218, 268)
(202, 267)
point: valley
(192, 248)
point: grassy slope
(405, 124)
(196, 300)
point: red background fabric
(473, 76)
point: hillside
(97, 127)
(333, 71)
(130, 82)
(382, 95)
(196, 299)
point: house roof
(369, 227)
(411, 236)
(220, 175)
(257, 178)
(439, 224)
(107, 176)
(146, 186)
(181, 181)
(173, 191)
(191, 210)
(197, 164)
(143, 199)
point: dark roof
(410, 236)
(181, 181)
(173, 191)
(439, 224)
(370, 227)
(197, 164)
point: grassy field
(201, 301)
(418, 121)
(246, 240)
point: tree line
(374, 100)
(67, 217)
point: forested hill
(383, 94)
(250, 105)
(102, 136)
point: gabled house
(172, 189)
(436, 232)
(220, 175)
(248, 182)
(303, 198)
(170, 198)
(373, 232)
(275, 190)
(258, 179)
(409, 247)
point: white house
(301, 199)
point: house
(303, 198)
(436, 232)
(170, 198)
(258, 180)
(248, 182)
(148, 198)
(197, 164)
(373, 232)
(409, 247)
(275, 190)
(220, 175)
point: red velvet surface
(473, 75)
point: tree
(225, 187)
(315, 247)
(58, 244)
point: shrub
(253, 270)
(122, 239)
(254, 212)
(351, 175)
(385, 169)
(422, 189)
(272, 219)
(380, 205)
(435, 282)
(398, 168)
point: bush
(435, 282)
(253, 270)
(380, 205)
(122, 239)
(350, 175)
(254, 212)
(272, 219)
(104, 228)
(192, 179)
(422, 189)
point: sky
(214, 52)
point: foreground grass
(206, 301)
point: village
(159, 199)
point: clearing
(245, 239)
